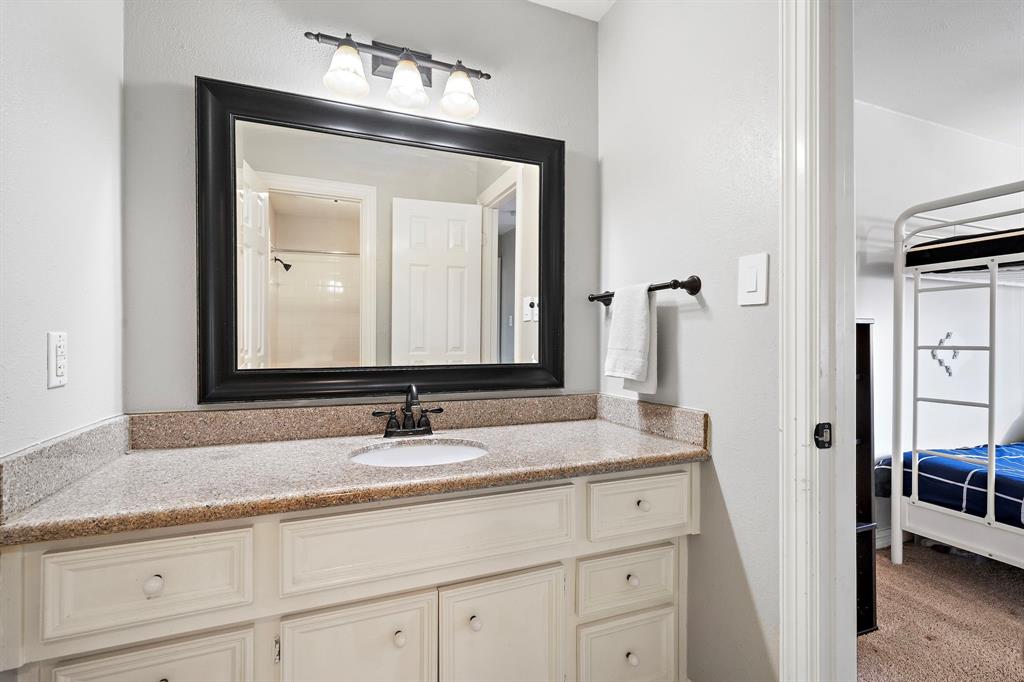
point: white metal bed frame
(981, 535)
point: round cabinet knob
(643, 505)
(633, 580)
(399, 639)
(475, 624)
(153, 587)
(632, 659)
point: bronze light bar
(392, 53)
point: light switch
(752, 284)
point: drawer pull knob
(163, 679)
(475, 624)
(643, 505)
(632, 659)
(154, 586)
(633, 580)
(399, 639)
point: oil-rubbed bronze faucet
(410, 425)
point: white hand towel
(650, 385)
(629, 340)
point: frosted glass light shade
(406, 86)
(345, 76)
(459, 100)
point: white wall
(689, 142)
(545, 82)
(60, 213)
(902, 161)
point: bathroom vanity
(558, 555)
(291, 545)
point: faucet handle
(392, 419)
(424, 411)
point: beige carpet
(945, 617)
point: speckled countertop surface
(160, 488)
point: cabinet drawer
(363, 546)
(89, 590)
(637, 504)
(505, 629)
(626, 582)
(640, 648)
(221, 658)
(383, 641)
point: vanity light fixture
(409, 70)
(459, 100)
(345, 75)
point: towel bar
(691, 284)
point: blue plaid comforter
(961, 485)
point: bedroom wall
(690, 182)
(261, 43)
(60, 214)
(902, 161)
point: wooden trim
(218, 106)
(817, 593)
(366, 195)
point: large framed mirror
(346, 251)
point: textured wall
(689, 140)
(545, 83)
(60, 214)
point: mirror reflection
(359, 253)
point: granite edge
(13, 534)
(197, 428)
(685, 424)
(32, 474)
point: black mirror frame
(219, 105)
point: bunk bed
(969, 497)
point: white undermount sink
(419, 453)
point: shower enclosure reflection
(360, 253)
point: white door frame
(495, 193)
(366, 197)
(817, 254)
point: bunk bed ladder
(989, 406)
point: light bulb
(406, 85)
(459, 100)
(345, 76)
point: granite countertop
(161, 488)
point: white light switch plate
(752, 280)
(56, 359)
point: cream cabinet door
(506, 629)
(637, 648)
(390, 640)
(217, 658)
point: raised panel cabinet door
(218, 658)
(391, 640)
(637, 648)
(503, 629)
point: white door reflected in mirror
(361, 253)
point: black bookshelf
(865, 463)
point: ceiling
(959, 63)
(588, 9)
(305, 206)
